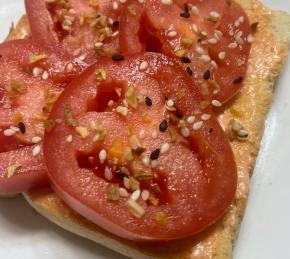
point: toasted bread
(250, 108)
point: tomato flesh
(194, 181)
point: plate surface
(265, 231)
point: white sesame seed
(141, 1)
(216, 103)
(9, 132)
(212, 41)
(102, 156)
(145, 160)
(204, 58)
(143, 66)
(205, 117)
(250, 38)
(123, 1)
(115, 5)
(142, 134)
(108, 174)
(191, 119)
(215, 91)
(137, 210)
(69, 138)
(126, 182)
(194, 10)
(218, 34)
(240, 40)
(44, 75)
(232, 45)
(82, 57)
(164, 148)
(200, 50)
(154, 134)
(36, 150)
(115, 34)
(215, 15)
(239, 34)
(214, 64)
(171, 34)
(36, 71)
(110, 103)
(154, 163)
(135, 195)
(145, 195)
(15, 128)
(125, 103)
(194, 28)
(241, 19)
(222, 55)
(231, 32)
(99, 45)
(185, 132)
(237, 23)
(69, 67)
(36, 139)
(123, 192)
(170, 103)
(122, 110)
(197, 125)
(166, 2)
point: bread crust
(250, 107)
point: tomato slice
(135, 126)
(211, 38)
(84, 29)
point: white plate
(265, 231)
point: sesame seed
(145, 195)
(170, 103)
(99, 45)
(254, 27)
(9, 132)
(141, 1)
(167, 2)
(36, 150)
(44, 75)
(243, 133)
(126, 182)
(110, 103)
(69, 138)
(197, 125)
(82, 57)
(205, 117)
(108, 174)
(189, 71)
(164, 148)
(135, 195)
(215, 15)
(218, 34)
(238, 80)
(154, 133)
(102, 156)
(194, 28)
(135, 208)
(206, 75)
(171, 34)
(36, 139)
(69, 67)
(15, 128)
(212, 41)
(115, 34)
(215, 91)
(123, 1)
(232, 45)
(222, 55)
(204, 58)
(191, 119)
(250, 38)
(241, 19)
(214, 64)
(239, 40)
(115, 5)
(122, 110)
(143, 66)
(145, 160)
(200, 50)
(123, 192)
(194, 10)
(216, 103)
(22, 127)
(148, 101)
(185, 14)
(116, 23)
(163, 125)
(155, 154)
(118, 57)
(185, 132)
(36, 71)
(142, 134)
(185, 60)
(231, 33)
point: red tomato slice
(84, 29)
(136, 125)
(211, 40)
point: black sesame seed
(189, 71)
(185, 15)
(118, 57)
(210, 130)
(185, 60)
(116, 23)
(22, 127)
(163, 125)
(238, 80)
(178, 114)
(120, 175)
(138, 151)
(148, 101)
(155, 154)
(254, 27)
(206, 75)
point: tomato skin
(200, 192)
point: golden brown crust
(250, 107)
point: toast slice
(249, 108)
